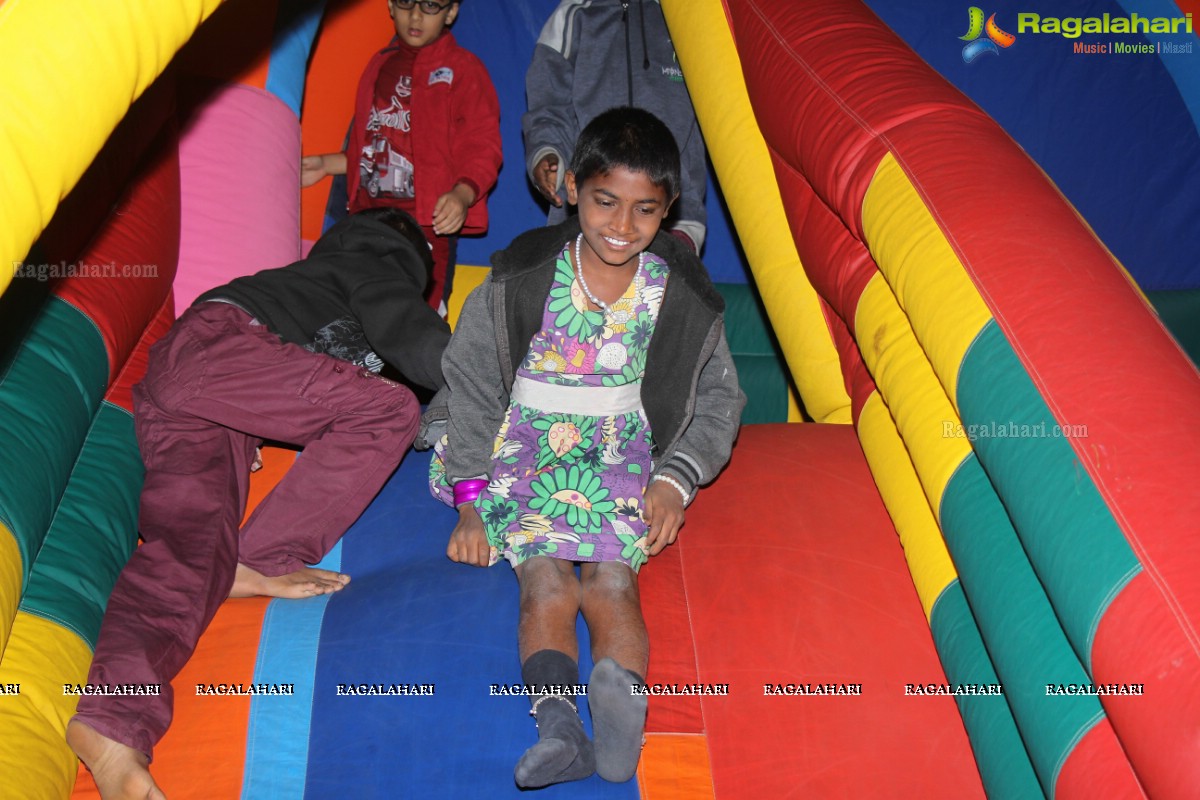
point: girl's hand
(468, 540)
(663, 512)
(450, 211)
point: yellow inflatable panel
(41, 658)
(69, 70)
(916, 400)
(465, 280)
(713, 72)
(11, 581)
(925, 274)
(924, 548)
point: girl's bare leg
(612, 608)
(550, 600)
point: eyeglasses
(427, 6)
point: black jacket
(362, 274)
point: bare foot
(306, 582)
(120, 772)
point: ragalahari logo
(977, 46)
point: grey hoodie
(581, 67)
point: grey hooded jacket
(690, 391)
(596, 54)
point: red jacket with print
(455, 132)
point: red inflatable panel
(796, 576)
(1098, 767)
(133, 255)
(834, 90)
(91, 201)
(1145, 645)
(121, 391)
(672, 658)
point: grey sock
(563, 752)
(618, 719)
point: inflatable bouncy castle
(956, 551)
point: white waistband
(592, 401)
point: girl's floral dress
(570, 485)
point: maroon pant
(217, 385)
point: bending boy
(290, 355)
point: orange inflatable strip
(217, 725)
(276, 461)
(675, 766)
(351, 33)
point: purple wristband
(467, 491)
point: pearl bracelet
(678, 486)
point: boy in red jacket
(425, 136)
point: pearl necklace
(600, 304)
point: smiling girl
(590, 392)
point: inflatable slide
(954, 554)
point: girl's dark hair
(632, 138)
